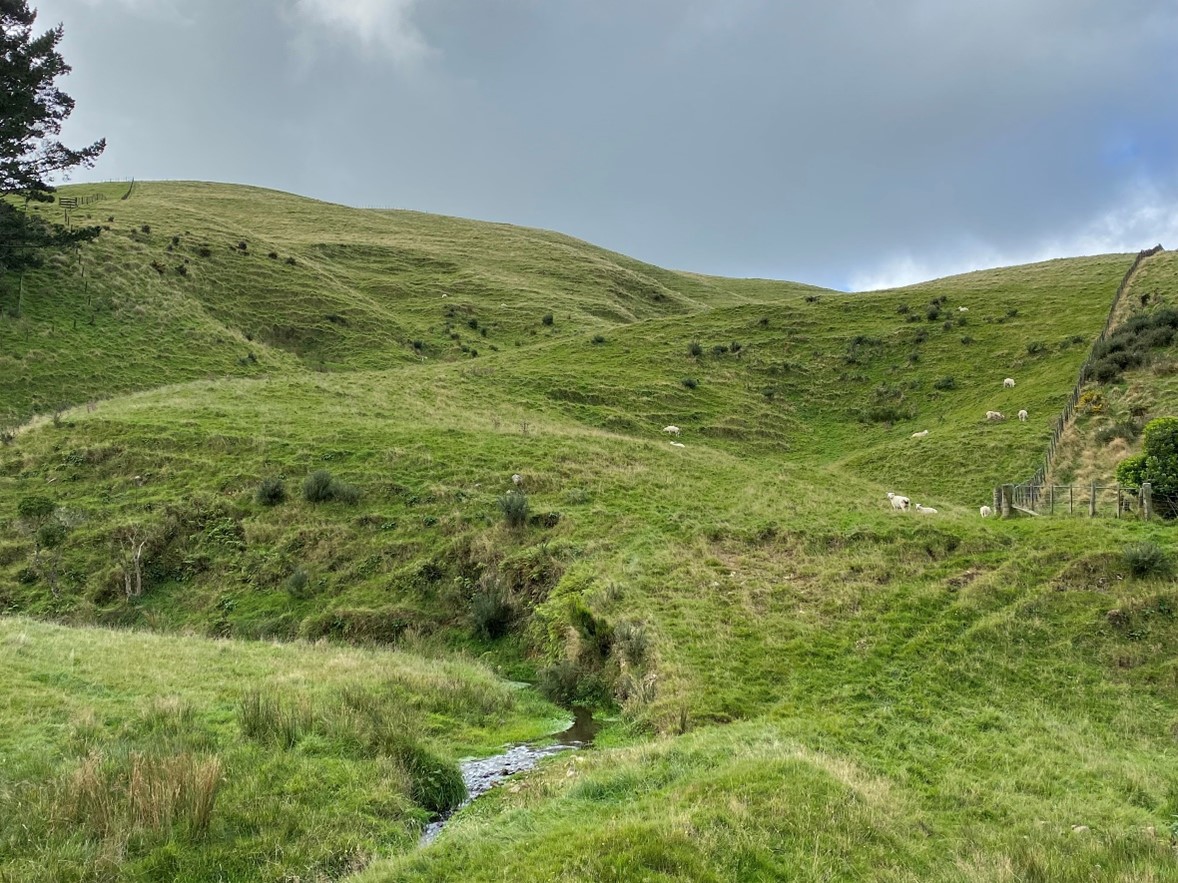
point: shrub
(548, 319)
(146, 228)
(492, 612)
(1147, 559)
(945, 383)
(632, 642)
(933, 313)
(1036, 347)
(298, 584)
(321, 487)
(967, 340)
(243, 246)
(903, 309)
(690, 382)
(204, 251)
(598, 339)
(514, 506)
(1124, 430)
(720, 349)
(1131, 471)
(695, 348)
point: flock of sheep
(901, 503)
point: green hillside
(810, 684)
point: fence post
(1092, 502)
(998, 499)
(1146, 500)
(1007, 499)
(1071, 499)
(1053, 498)
(1120, 500)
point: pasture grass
(810, 684)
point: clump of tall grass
(266, 717)
(514, 506)
(143, 794)
(322, 487)
(1147, 559)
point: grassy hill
(813, 684)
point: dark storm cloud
(852, 143)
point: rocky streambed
(483, 774)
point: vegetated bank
(938, 698)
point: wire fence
(1093, 500)
(1030, 487)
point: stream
(483, 774)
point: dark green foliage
(1036, 347)
(547, 319)
(321, 487)
(1147, 559)
(1160, 466)
(598, 339)
(271, 492)
(690, 382)
(492, 612)
(35, 509)
(695, 348)
(933, 313)
(735, 346)
(1130, 345)
(903, 309)
(720, 349)
(1131, 471)
(298, 584)
(945, 383)
(514, 506)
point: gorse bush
(1131, 344)
(271, 492)
(1147, 559)
(298, 584)
(514, 506)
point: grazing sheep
(678, 445)
(898, 502)
(925, 510)
(674, 430)
(963, 309)
(986, 511)
(517, 479)
(1023, 415)
(922, 434)
(995, 415)
(1008, 383)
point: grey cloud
(823, 142)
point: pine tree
(32, 110)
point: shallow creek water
(483, 774)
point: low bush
(689, 382)
(514, 506)
(321, 487)
(695, 348)
(271, 492)
(298, 584)
(548, 319)
(492, 612)
(1147, 559)
(598, 339)
(945, 383)
(1126, 430)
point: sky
(856, 144)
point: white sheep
(1023, 415)
(1008, 383)
(925, 510)
(517, 479)
(898, 502)
(986, 511)
(995, 415)
(922, 434)
(678, 445)
(673, 430)
(963, 309)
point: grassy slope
(85, 699)
(940, 697)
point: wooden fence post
(1092, 502)
(1146, 500)
(1007, 499)
(998, 499)
(1120, 500)
(1071, 499)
